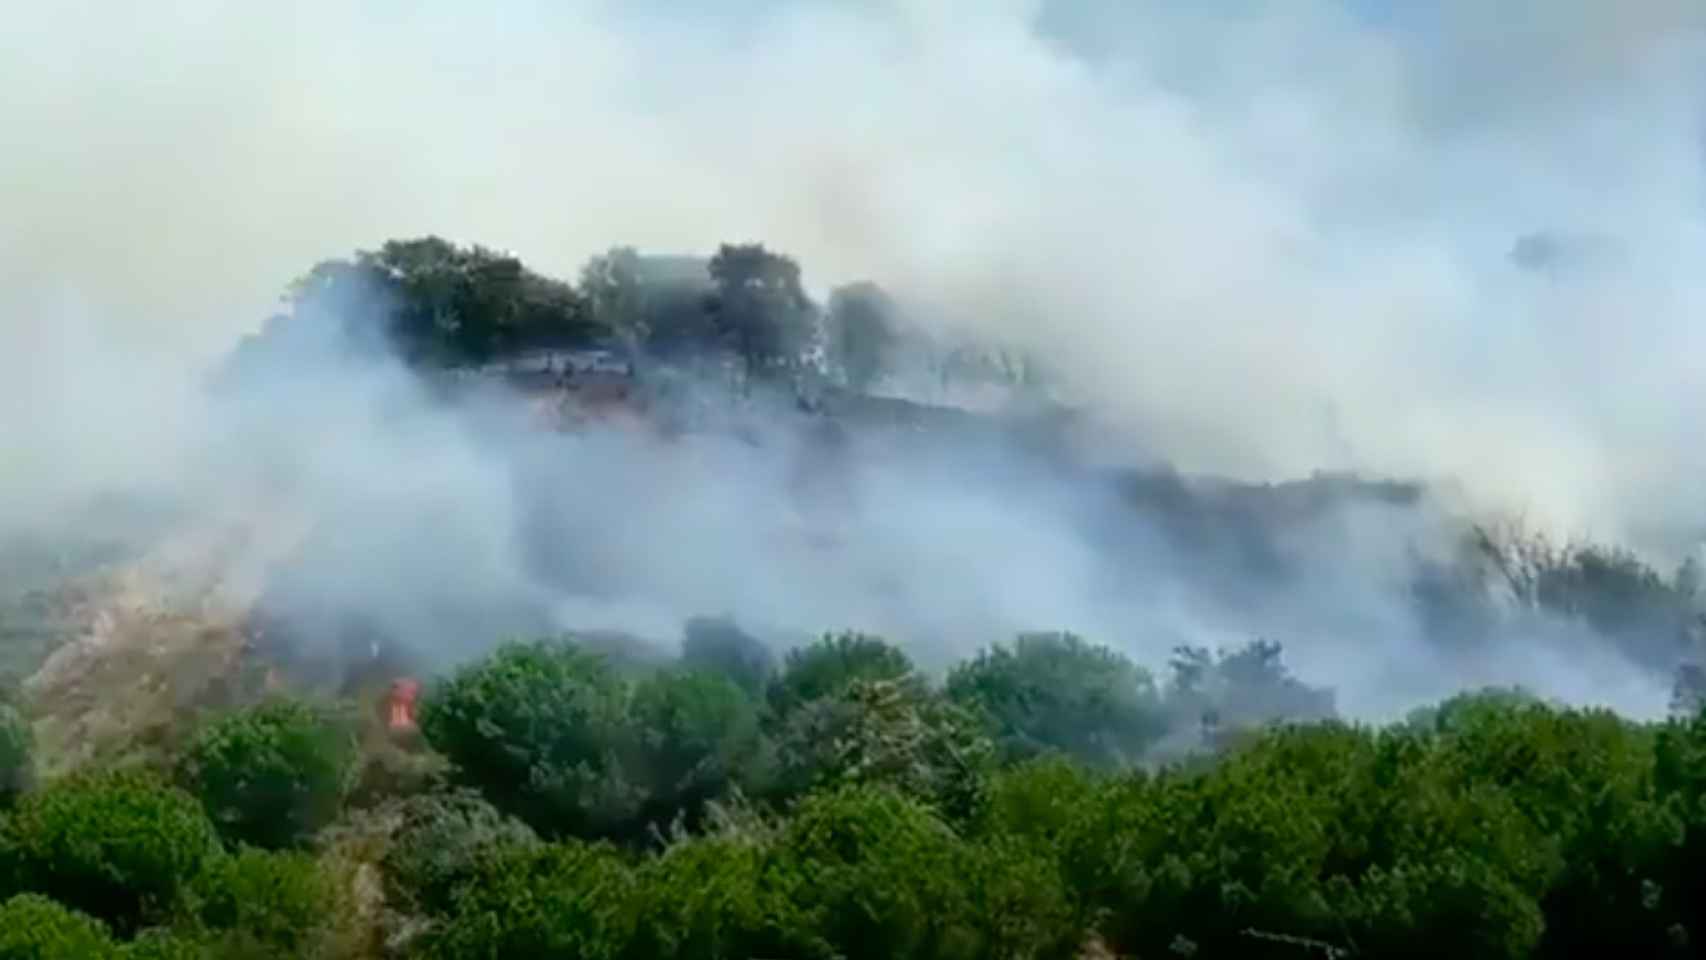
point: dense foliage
(439, 844)
(32, 927)
(848, 806)
(543, 729)
(123, 847)
(1056, 692)
(272, 775)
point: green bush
(715, 898)
(1019, 905)
(885, 732)
(16, 754)
(830, 665)
(541, 729)
(272, 775)
(1040, 801)
(1054, 692)
(122, 846)
(267, 903)
(567, 899)
(697, 734)
(876, 874)
(33, 927)
(164, 944)
(1451, 905)
(439, 845)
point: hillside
(610, 621)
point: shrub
(719, 645)
(164, 944)
(33, 927)
(567, 899)
(439, 845)
(16, 742)
(830, 665)
(886, 732)
(267, 903)
(1054, 692)
(122, 846)
(711, 898)
(1452, 905)
(876, 874)
(1039, 801)
(1019, 906)
(697, 733)
(540, 729)
(272, 775)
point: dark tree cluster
(437, 304)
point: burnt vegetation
(570, 796)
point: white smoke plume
(1260, 238)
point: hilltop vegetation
(437, 304)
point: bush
(163, 944)
(713, 898)
(271, 775)
(719, 645)
(1054, 692)
(830, 665)
(1040, 801)
(120, 846)
(697, 734)
(876, 874)
(1452, 905)
(32, 927)
(886, 732)
(567, 899)
(267, 903)
(540, 729)
(1019, 906)
(440, 844)
(16, 743)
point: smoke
(1260, 239)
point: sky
(1265, 237)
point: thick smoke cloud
(1259, 238)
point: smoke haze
(1432, 241)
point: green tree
(886, 732)
(271, 775)
(32, 927)
(433, 301)
(266, 903)
(122, 846)
(761, 310)
(566, 899)
(165, 944)
(697, 734)
(829, 665)
(878, 875)
(541, 729)
(439, 845)
(715, 897)
(1054, 692)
